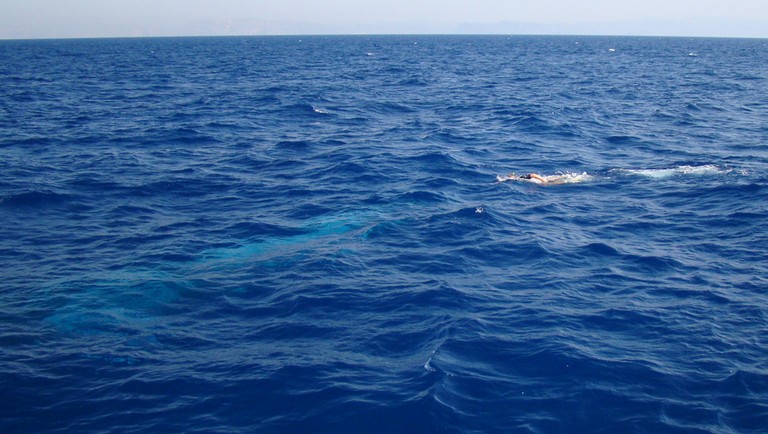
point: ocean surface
(319, 234)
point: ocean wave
(285, 235)
(36, 199)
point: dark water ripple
(304, 234)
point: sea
(330, 234)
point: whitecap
(429, 367)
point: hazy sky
(93, 18)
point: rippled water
(317, 234)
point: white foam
(706, 169)
(574, 178)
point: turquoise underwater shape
(135, 299)
(316, 232)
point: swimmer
(535, 177)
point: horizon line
(350, 34)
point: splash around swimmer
(541, 179)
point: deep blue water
(306, 234)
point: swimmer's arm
(538, 177)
